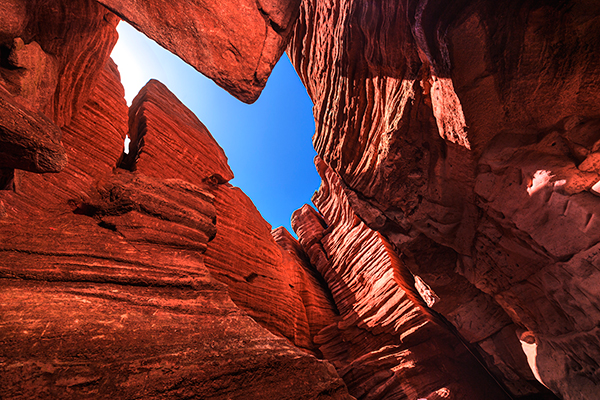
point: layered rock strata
(51, 55)
(270, 284)
(386, 344)
(466, 133)
(276, 288)
(105, 291)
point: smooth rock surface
(236, 43)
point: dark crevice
(251, 277)
(4, 55)
(128, 161)
(7, 179)
(274, 25)
(107, 225)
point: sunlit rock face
(277, 289)
(105, 289)
(467, 133)
(234, 42)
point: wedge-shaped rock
(236, 43)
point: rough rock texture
(51, 53)
(236, 43)
(459, 143)
(277, 289)
(94, 142)
(104, 288)
(154, 117)
(466, 133)
(28, 139)
(386, 344)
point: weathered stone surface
(147, 342)
(386, 343)
(276, 289)
(465, 133)
(83, 319)
(104, 288)
(56, 51)
(309, 284)
(28, 140)
(235, 43)
(94, 143)
(52, 53)
(166, 135)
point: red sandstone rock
(318, 305)
(28, 140)
(278, 291)
(166, 135)
(116, 319)
(53, 52)
(104, 288)
(386, 344)
(58, 49)
(235, 43)
(106, 340)
(94, 142)
(464, 132)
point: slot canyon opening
(268, 143)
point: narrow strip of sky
(268, 143)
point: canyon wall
(106, 270)
(453, 252)
(106, 289)
(465, 133)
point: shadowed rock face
(386, 343)
(466, 133)
(51, 53)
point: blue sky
(268, 143)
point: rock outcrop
(235, 43)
